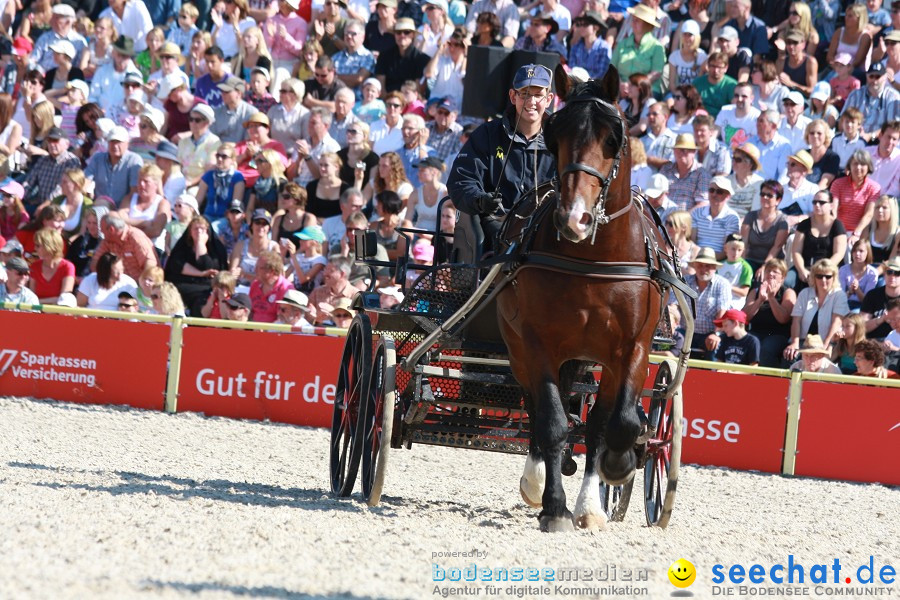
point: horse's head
(589, 141)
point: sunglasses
(892, 272)
(155, 296)
(353, 131)
(794, 13)
(717, 191)
(820, 202)
(792, 43)
(223, 156)
(677, 97)
(766, 195)
(129, 304)
(824, 276)
(144, 126)
(738, 159)
(197, 120)
(670, 223)
(404, 32)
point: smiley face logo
(682, 573)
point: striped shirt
(852, 200)
(710, 230)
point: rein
(598, 212)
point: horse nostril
(586, 219)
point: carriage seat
(468, 239)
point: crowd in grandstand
(216, 158)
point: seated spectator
(183, 30)
(291, 215)
(355, 63)
(716, 220)
(737, 347)
(15, 288)
(197, 151)
(793, 127)
(257, 141)
(371, 107)
(324, 192)
(360, 275)
(883, 232)
(287, 117)
(874, 305)
(422, 255)
(487, 30)
(765, 231)
(657, 193)
(659, 140)
(634, 54)
(322, 89)
(166, 300)
(853, 331)
(870, 361)
(819, 308)
(821, 106)
(745, 180)
(308, 151)
(892, 341)
(45, 173)
(814, 357)
(239, 306)
(128, 303)
(856, 194)
(768, 309)
(678, 223)
(179, 103)
(335, 285)
(714, 299)
(68, 101)
(443, 131)
(385, 133)
(99, 49)
(388, 208)
(206, 87)
(712, 154)
(196, 259)
(293, 309)
(264, 193)
(826, 162)
(447, 68)
(152, 121)
(737, 122)
(588, 48)
(798, 190)
(52, 217)
(233, 227)
(774, 148)
(343, 118)
(849, 141)
(245, 254)
(422, 204)
(799, 69)
(223, 286)
(304, 252)
(878, 101)
(221, 185)
(232, 114)
(886, 156)
(402, 61)
(339, 314)
(640, 170)
(715, 87)
(183, 211)
(637, 99)
(82, 246)
(106, 85)
(739, 56)
(101, 289)
(351, 201)
(821, 236)
(166, 158)
(736, 270)
(768, 91)
(147, 209)
(257, 94)
(858, 277)
(115, 172)
(13, 215)
(51, 274)
(268, 287)
(357, 158)
(150, 278)
(688, 180)
(129, 243)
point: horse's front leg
(589, 513)
(616, 456)
(551, 430)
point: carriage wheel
(663, 454)
(376, 430)
(614, 499)
(356, 363)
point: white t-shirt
(730, 124)
(102, 298)
(687, 71)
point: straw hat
(753, 152)
(685, 141)
(706, 256)
(814, 345)
(172, 49)
(802, 157)
(644, 13)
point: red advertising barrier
(843, 438)
(259, 375)
(79, 359)
(734, 420)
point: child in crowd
(843, 82)
(307, 262)
(853, 331)
(223, 286)
(849, 141)
(130, 118)
(258, 91)
(414, 103)
(858, 277)
(738, 347)
(196, 64)
(370, 108)
(183, 33)
(184, 209)
(736, 270)
(68, 101)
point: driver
(479, 183)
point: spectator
(128, 303)
(293, 309)
(793, 128)
(856, 194)
(883, 233)
(178, 102)
(737, 346)
(745, 180)
(130, 244)
(147, 209)
(149, 59)
(106, 86)
(768, 91)
(196, 259)
(321, 90)
(305, 68)
(351, 201)
(714, 221)
(45, 174)
(687, 107)
(415, 147)
(230, 116)
(268, 287)
(51, 274)
(166, 158)
(660, 140)
(63, 71)
(258, 95)
(402, 61)
(765, 231)
(714, 299)
(637, 99)
(325, 192)
(633, 54)
(886, 157)
(656, 190)
(257, 141)
(843, 82)
(736, 270)
(751, 31)
(892, 341)
(309, 151)
(826, 162)
(686, 63)
(640, 170)
(197, 151)
(678, 224)
(101, 289)
(42, 121)
(219, 186)
(61, 21)
(739, 57)
(253, 53)
(238, 308)
(874, 305)
(232, 228)
(589, 50)
(821, 106)
(688, 181)
(287, 116)
(150, 278)
(421, 211)
(50, 216)
(343, 118)
(870, 361)
(540, 35)
(858, 277)
(768, 308)
(389, 175)
(819, 308)
(166, 300)
(184, 209)
(306, 260)
(291, 215)
(131, 18)
(488, 29)
(878, 102)
(335, 286)
(115, 172)
(285, 33)
(446, 70)
(798, 191)
(99, 49)
(14, 289)
(849, 141)
(736, 121)
(814, 357)
(355, 63)
(507, 14)
(774, 149)
(150, 126)
(799, 70)
(72, 201)
(853, 331)
(182, 32)
(223, 286)
(265, 191)
(715, 87)
(13, 215)
(206, 87)
(243, 258)
(83, 246)
(822, 236)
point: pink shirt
(264, 308)
(289, 46)
(852, 200)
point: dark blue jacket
(476, 170)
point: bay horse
(582, 294)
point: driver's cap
(529, 75)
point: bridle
(598, 212)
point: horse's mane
(585, 118)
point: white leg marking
(532, 483)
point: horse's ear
(564, 84)
(609, 85)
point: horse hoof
(557, 524)
(591, 522)
(528, 501)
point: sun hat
(893, 264)
(442, 4)
(236, 206)
(374, 82)
(723, 183)
(63, 47)
(172, 49)
(18, 265)
(795, 97)
(752, 152)
(843, 58)
(261, 214)
(169, 84)
(124, 45)
(657, 186)
(205, 111)
(804, 158)
(240, 300)
(13, 188)
(67, 299)
(532, 75)
(311, 232)
(404, 24)
(258, 117)
(12, 246)
(893, 36)
(166, 149)
(814, 345)
(118, 134)
(548, 18)
(732, 314)
(155, 116)
(387, 3)
(795, 35)
(644, 13)
(295, 298)
(63, 10)
(190, 201)
(423, 252)
(295, 4)
(78, 84)
(821, 91)
(344, 304)
(262, 71)
(137, 96)
(706, 256)
(233, 84)
(685, 141)
(430, 161)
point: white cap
(167, 84)
(138, 96)
(205, 111)
(63, 47)
(657, 186)
(64, 10)
(728, 32)
(156, 116)
(795, 97)
(79, 85)
(723, 183)
(372, 81)
(118, 134)
(105, 125)
(692, 27)
(67, 299)
(821, 92)
(189, 200)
